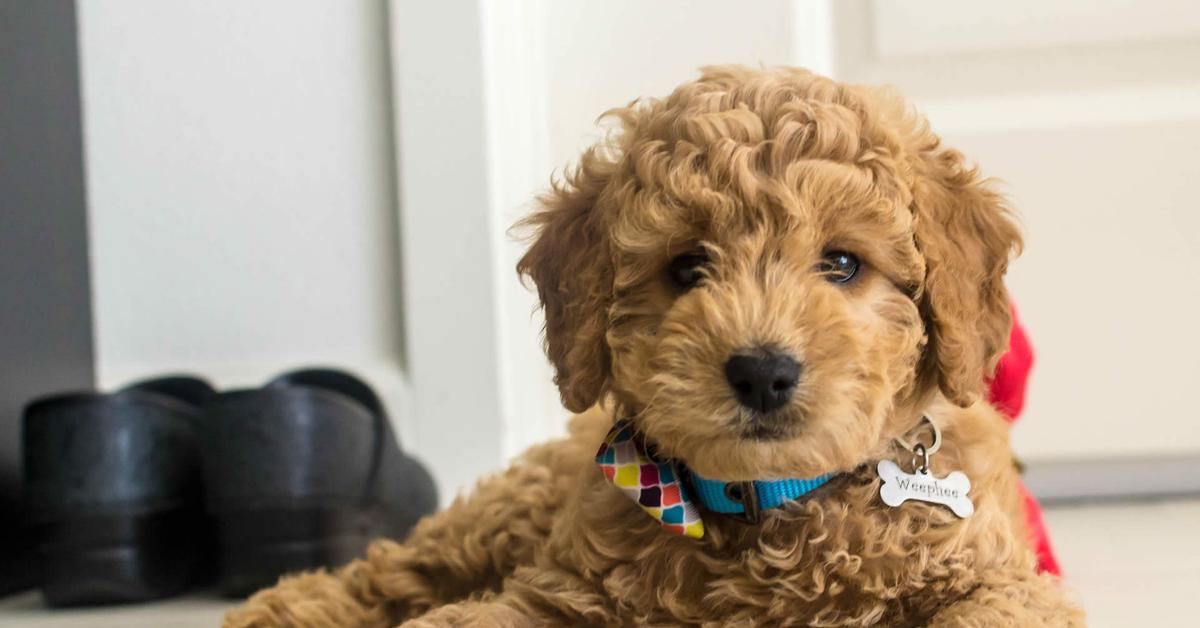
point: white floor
(1131, 564)
(197, 610)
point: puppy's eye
(839, 266)
(687, 270)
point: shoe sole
(113, 559)
(258, 546)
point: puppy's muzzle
(762, 379)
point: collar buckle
(745, 494)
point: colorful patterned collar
(658, 485)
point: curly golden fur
(766, 170)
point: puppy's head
(771, 273)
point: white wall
(247, 213)
(605, 54)
(240, 183)
(1090, 114)
(450, 234)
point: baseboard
(1114, 478)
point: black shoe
(303, 473)
(18, 567)
(112, 484)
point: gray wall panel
(45, 312)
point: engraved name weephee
(950, 491)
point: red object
(1006, 391)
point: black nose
(763, 380)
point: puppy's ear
(967, 237)
(571, 265)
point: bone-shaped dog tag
(950, 491)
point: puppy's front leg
(1012, 599)
(474, 614)
(468, 548)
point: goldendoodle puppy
(763, 292)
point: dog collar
(658, 485)
(749, 499)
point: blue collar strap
(749, 499)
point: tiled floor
(1132, 565)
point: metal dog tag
(950, 491)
